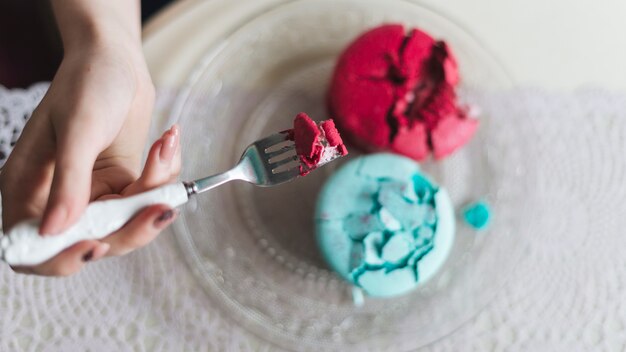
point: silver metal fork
(267, 162)
(259, 164)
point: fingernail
(168, 131)
(87, 257)
(53, 223)
(165, 217)
(175, 130)
(168, 148)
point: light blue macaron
(383, 225)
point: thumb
(71, 184)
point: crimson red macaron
(394, 90)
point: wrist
(98, 23)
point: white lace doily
(566, 295)
(16, 106)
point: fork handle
(24, 246)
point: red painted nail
(165, 217)
(87, 257)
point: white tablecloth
(566, 295)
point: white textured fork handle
(23, 246)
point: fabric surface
(566, 294)
(16, 106)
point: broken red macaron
(393, 91)
(316, 144)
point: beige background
(555, 44)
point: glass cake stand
(254, 250)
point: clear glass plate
(253, 249)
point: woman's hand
(85, 140)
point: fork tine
(280, 151)
(265, 143)
(279, 163)
(286, 175)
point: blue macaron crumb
(477, 215)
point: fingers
(69, 261)
(71, 183)
(170, 144)
(141, 230)
(67, 201)
(177, 161)
(162, 165)
(27, 174)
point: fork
(263, 163)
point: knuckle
(150, 90)
(146, 90)
(135, 240)
(64, 271)
(61, 269)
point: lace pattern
(16, 106)
(567, 294)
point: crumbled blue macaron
(383, 225)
